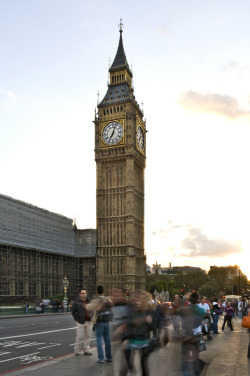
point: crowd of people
(132, 328)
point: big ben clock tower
(120, 154)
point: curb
(35, 315)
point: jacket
(94, 304)
(78, 312)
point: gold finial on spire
(121, 25)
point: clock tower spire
(120, 154)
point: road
(32, 339)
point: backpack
(104, 314)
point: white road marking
(26, 344)
(56, 344)
(10, 343)
(5, 353)
(31, 359)
(35, 334)
(18, 357)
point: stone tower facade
(120, 154)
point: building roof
(120, 60)
(118, 93)
(121, 92)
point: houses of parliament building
(38, 248)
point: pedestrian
(228, 316)
(100, 307)
(84, 326)
(244, 306)
(191, 330)
(240, 304)
(136, 339)
(121, 313)
(176, 318)
(217, 312)
(27, 307)
(206, 318)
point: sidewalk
(226, 355)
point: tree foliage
(219, 275)
(160, 282)
(209, 289)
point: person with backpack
(100, 306)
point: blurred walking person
(136, 339)
(121, 313)
(176, 318)
(191, 328)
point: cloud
(186, 240)
(170, 228)
(7, 97)
(198, 244)
(233, 66)
(11, 97)
(212, 103)
(163, 31)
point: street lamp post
(239, 281)
(65, 284)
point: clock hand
(112, 134)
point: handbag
(246, 322)
(200, 342)
(224, 313)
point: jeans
(190, 360)
(102, 332)
(215, 318)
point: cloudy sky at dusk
(191, 67)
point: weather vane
(121, 25)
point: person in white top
(205, 306)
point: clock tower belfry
(120, 154)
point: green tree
(209, 289)
(161, 283)
(191, 280)
(239, 284)
(219, 275)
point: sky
(191, 68)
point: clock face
(140, 138)
(112, 133)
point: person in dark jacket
(229, 314)
(84, 326)
(217, 312)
